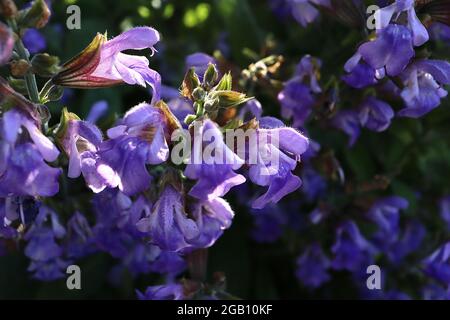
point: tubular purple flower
(297, 98)
(386, 214)
(312, 267)
(168, 224)
(137, 140)
(212, 218)
(418, 30)
(437, 265)
(278, 150)
(351, 250)
(360, 74)
(214, 173)
(81, 141)
(423, 91)
(392, 49)
(23, 170)
(348, 121)
(102, 63)
(375, 115)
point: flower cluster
(155, 187)
(146, 210)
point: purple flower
(423, 91)
(80, 240)
(307, 69)
(168, 262)
(137, 140)
(297, 98)
(386, 214)
(304, 11)
(212, 218)
(214, 173)
(23, 170)
(81, 142)
(312, 267)
(418, 30)
(168, 225)
(437, 265)
(116, 233)
(348, 121)
(375, 115)
(46, 255)
(34, 41)
(113, 231)
(102, 63)
(392, 49)
(444, 205)
(268, 224)
(6, 43)
(98, 110)
(296, 101)
(276, 153)
(407, 243)
(22, 209)
(351, 250)
(360, 74)
(440, 31)
(163, 292)
(8, 207)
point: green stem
(30, 79)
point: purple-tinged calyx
(6, 43)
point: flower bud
(8, 9)
(10, 98)
(198, 94)
(228, 98)
(170, 119)
(211, 104)
(36, 16)
(61, 130)
(190, 82)
(19, 68)
(45, 65)
(226, 83)
(211, 75)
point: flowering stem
(30, 79)
(197, 262)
